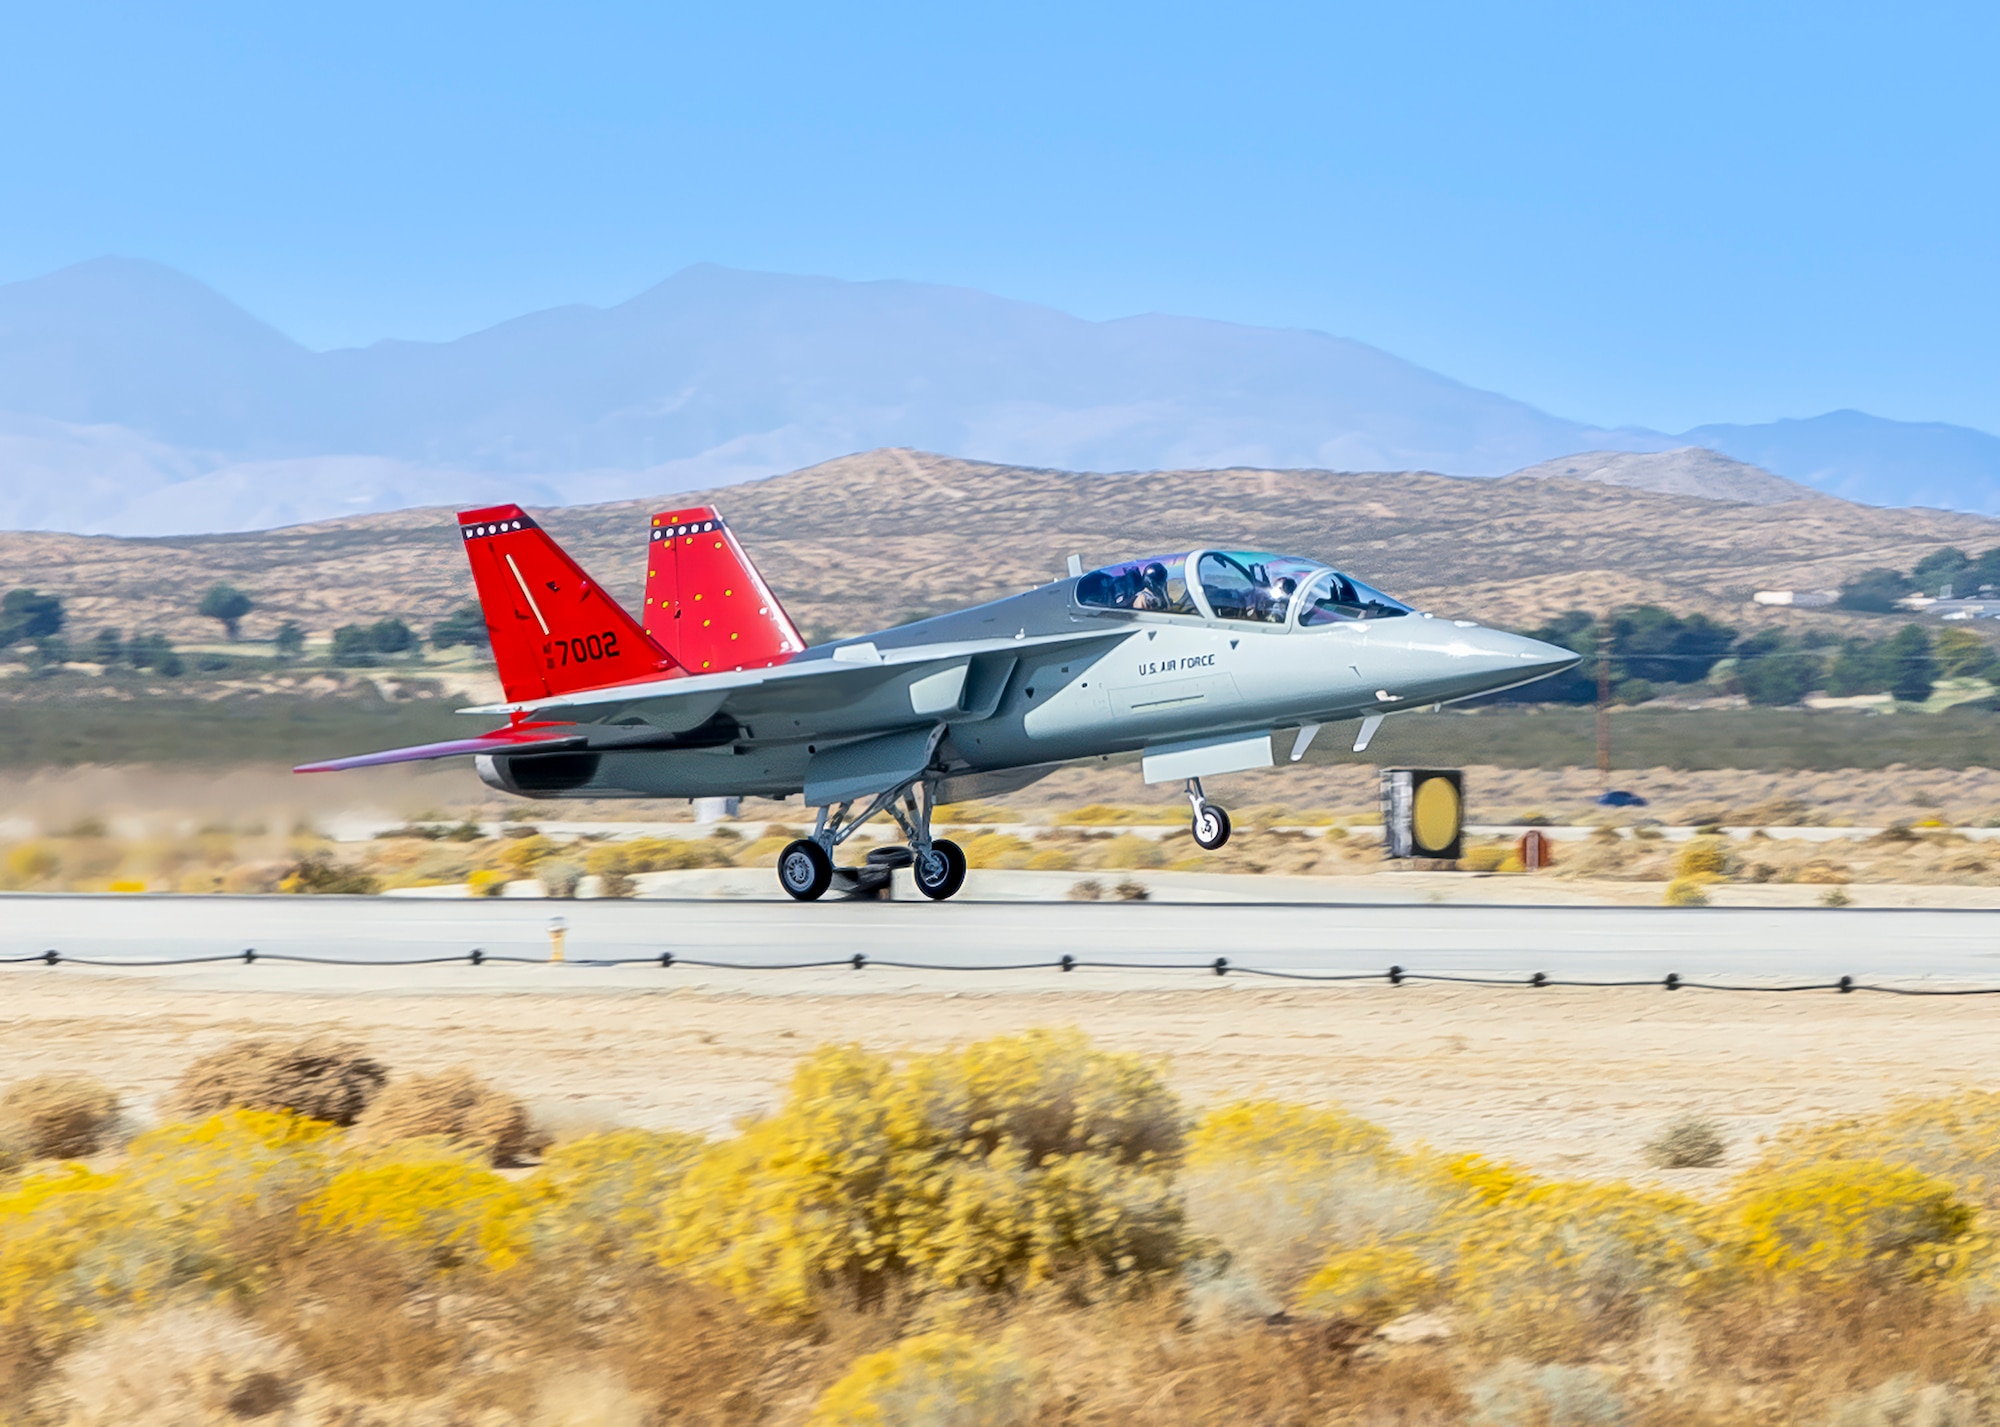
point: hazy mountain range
(136, 400)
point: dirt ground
(1569, 1082)
(141, 801)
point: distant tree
(353, 646)
(1875, 591)
(49, 653)
(1948, 566)
(1961, 654)
(290, 640)
(391, 636)
(1782, 679)
(1859, 668)
(1661, 647)
(1773, 670)
(1912, 666)
(25, 614)
(108, 647)
(152, 651)
(1985, 571)
(226, 605)
(1575, 630)
(464, 625)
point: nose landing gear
(1210, 824)
(937, 865)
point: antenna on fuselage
(1075, 566)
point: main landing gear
(1210, 823)
(937, 865)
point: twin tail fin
(706, 604)
(554, 629)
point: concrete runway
(1588, 942)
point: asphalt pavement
(1564, 942)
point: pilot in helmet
(1282, 589)
(1152, 587)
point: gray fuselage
(1123, 681)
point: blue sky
(1649, 214)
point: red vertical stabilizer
(554, 630)
(705, 602)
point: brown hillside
(868, 539)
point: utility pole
(1604, 705)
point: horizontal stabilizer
(534, 738)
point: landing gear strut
(937, 865)
(1211, 823)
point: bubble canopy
(1244, 586)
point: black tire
(804, 870)
(941, 874)
(1211, 827)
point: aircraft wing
(530, 738)
(859, 690)
(858, 679)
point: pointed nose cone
(1538, 660)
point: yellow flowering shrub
(1702, 857)
(1130, 852)
(996, 849)
(1553, 1265)
(1846, 1220)
(934, 1380)
(1686, 892)
(1001, 1165)
(669, 854)
(1371, 1283)
(1473, 1177)
(487, 881)
(1108, 815)
(524, 854)
(598, 1199)
(1284, 1190)
(202, 1204)
(220, 1195)
(51, 1226)
(1262, 1134)
(441, 1210)
(29, 863)
(1387, 1238)
(763, 852)
(959, 814)
(1955, 1137)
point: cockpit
(1238, 585)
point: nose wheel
(1210, 824)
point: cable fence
(860, 961)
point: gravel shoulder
(1569, 1082)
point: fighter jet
(1193, 660)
